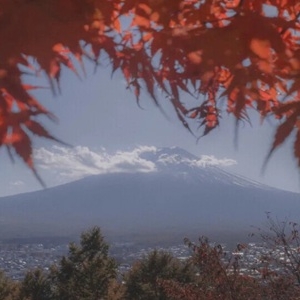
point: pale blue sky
(99, 112)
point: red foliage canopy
(231, 55)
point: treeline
(88, 272)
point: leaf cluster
(231, 56)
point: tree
(230, 55)
(142, 282)
(220, 277)
(87, 271)
(8, 288)
(283, 240)
(35, 286)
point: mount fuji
(180, 196)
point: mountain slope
(180, 197)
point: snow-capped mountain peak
(179, 162)
(70, 164)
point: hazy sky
(101, 119)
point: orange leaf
(262, 48)
(54, 69)
(22, 145)
(265, 66)
(117, 25)
(195, 57)
(141, 22)
(39, 130)
(147, 37)
(154, 16)
(145, 8)
(232, 3)
(283, 131)
(126, 72)
(194, 114)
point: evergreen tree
(142, 282)
(36, 286)
(85, 274)
(8, 288)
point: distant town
(17, 259)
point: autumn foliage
(230, 55)
(209, 272)
(221, 275)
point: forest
(89, 272)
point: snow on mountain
(69, 164)
(178, 161)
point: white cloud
(73, 163)
(78, 162)
(204, 161)
(210, 160)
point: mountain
(183, 196)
